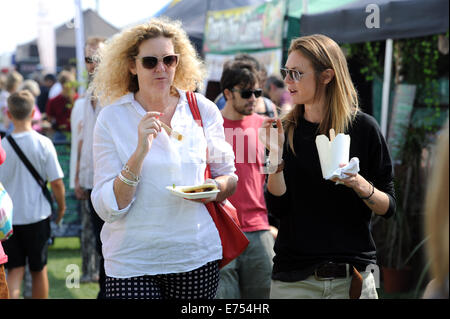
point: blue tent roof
(398, 19)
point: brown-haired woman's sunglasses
(293, 74)
(150, 62)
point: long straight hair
(341, 98)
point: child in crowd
(32, 211)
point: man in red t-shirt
(249, 275)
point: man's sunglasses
(150, 62)
(293, 74)
(246, 94)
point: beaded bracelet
(373, 190)
(127, 181)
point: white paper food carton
(332, 153)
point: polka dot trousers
(200, 283)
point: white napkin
(351, 168)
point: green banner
(245, 28)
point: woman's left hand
(356, 182)
(209, 199)
(352, 181)
(376, 200)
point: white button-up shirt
(158, 232)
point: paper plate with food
(194, 192)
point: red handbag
(224, 215)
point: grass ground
(65, 253)
(62, 256)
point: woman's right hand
(148, 128)
(272, 138)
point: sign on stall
(245, 28)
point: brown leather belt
(330, 271)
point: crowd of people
(308, 237)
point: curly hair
(113, 79)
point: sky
(18, 22)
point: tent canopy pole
(79, 44)
(386, 86)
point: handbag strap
(192, 101)
(31, 169)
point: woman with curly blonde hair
(324, 244)
(159, 245)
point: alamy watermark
(247, 145)
(373, 19)
(73, 278)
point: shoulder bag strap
(31, 168)
(192, 101)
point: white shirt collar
(129, 99)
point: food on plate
(199, 188)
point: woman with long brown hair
(324, 244)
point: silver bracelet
(127, 181)
(126, 168)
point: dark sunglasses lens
(149, 62)
(283, 73)
(246, 94)
(170, 60)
